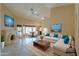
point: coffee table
(42, 44)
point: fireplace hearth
(12, 37)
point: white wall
(0, 25)
(5, 11)
(77, 28)
(65, 15)
(6, 30)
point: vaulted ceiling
(23, 9)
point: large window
(28, 29)
(34, 29)
(25, 29)
(19, 30)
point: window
(19, 30)
(34, 29)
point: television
(56, 27)
(8, 21)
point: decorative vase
(41, 37)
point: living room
(34, 22)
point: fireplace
(12, 37)
(9, 36)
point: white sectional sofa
(60, 48)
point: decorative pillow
(47, 34)
(56, 35)
(66, 38)
(61, 46)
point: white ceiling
(52, 5)
(23, 9)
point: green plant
(2, 38)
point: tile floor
(17, 48)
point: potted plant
(2, 41)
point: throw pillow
(66, 38)
(47, 34)
(56, 35)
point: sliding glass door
(19, 30)
(28, 29)
(25, 29)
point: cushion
(61, 46)
(70, 40)
(47, 34)
(56, 35)
(66, 38)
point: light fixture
(35, 13)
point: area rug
(38, 52)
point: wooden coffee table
(42, 44)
